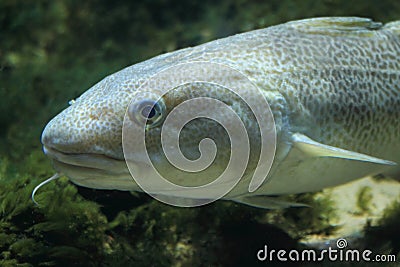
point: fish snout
(57, 138)
(60, 135)
(70, 134)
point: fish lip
(92, 170)
(84, 160)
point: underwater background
(51, 51)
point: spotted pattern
(335, 79)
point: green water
(52, 51)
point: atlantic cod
(333, 86)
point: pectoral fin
(314, 149)
(311, 166)
(267, 202)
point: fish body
(332, 84)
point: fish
(332, 85)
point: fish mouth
(92, 170)
(85, 160)
(99, 171)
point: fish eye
(147, 111)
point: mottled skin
(335, 80)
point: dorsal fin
(393, 26)
(336, 25)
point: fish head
(201, 124)
(84, 140)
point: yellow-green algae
(50, 52)
(364, 199)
